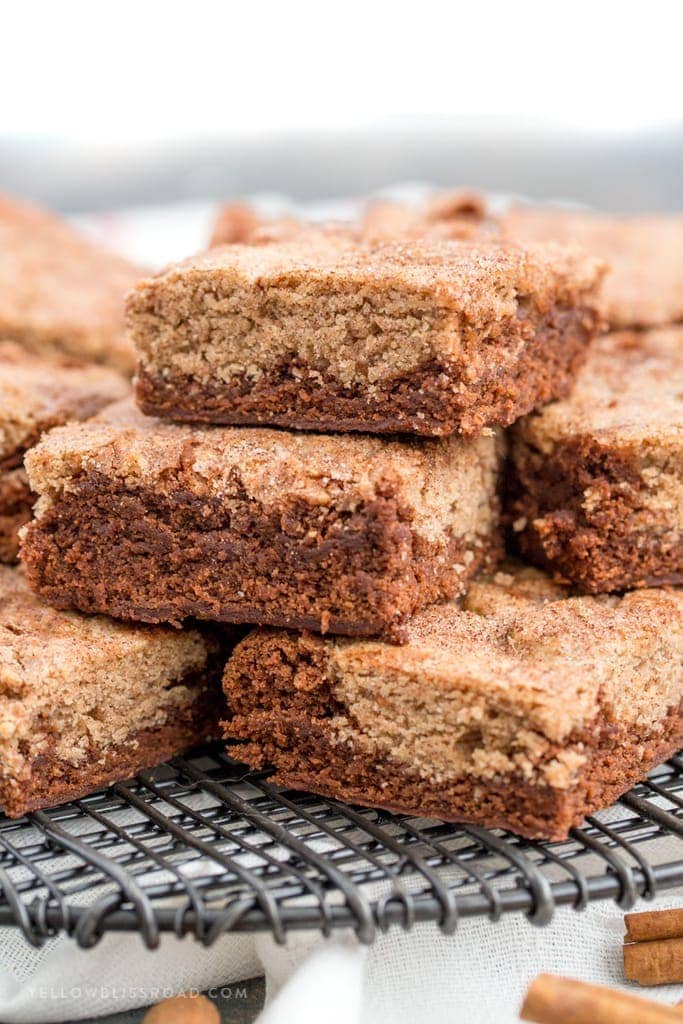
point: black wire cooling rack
(203, 846)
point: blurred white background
(111, 104)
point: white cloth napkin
(476, 976)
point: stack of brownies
(334, 432)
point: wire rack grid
(202, 846)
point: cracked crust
(523, 706)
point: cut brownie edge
(515, 707)
(625, 541)
(140, 555)
(510, 802)
(54, 780)
(292, 728)
(432, 400)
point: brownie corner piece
(85, 701)
(510, 709)
(148, 520)
(596, 491)
(325, 332)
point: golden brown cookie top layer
(630, 392)
(645, 285)
(59, 292)
(36, 394)
(481, 280)
(447, 482)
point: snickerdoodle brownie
(85, 701)
(59, 292)
(521, 707)
(322, 332)
(35, 395)
(144, 519)
(597, 488)
(644, 287)
(459, 213)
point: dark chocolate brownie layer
(598, 549)
(139, 555)
(432, 400)
(300, 747)
(596, 489)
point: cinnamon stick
(659, 962)
(654, 924)
(555, 1000)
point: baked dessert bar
(326, 333)
(522, 707)
(459, 213)
(59, 292)
(644, 287)
(148, 520)
(240, 223)
(597, 488)
(36, 394)
(85, 701)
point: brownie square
(35, 395)
(325, 332)
(60, 293)
(85, 701)
(147, 520)
(454, 214)
(597, 482)
(522, 707)
(644, 287)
